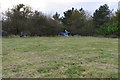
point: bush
(108, 29)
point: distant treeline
(22, 18)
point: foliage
(43, 25)
(77, 22)
(56, 16)
(101, 15)
(118, 15)
(16, 19)
(108, 29)
(22, 19)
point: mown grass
(60, 57)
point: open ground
(60, 57)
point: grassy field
(60, 57)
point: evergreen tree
(101, 15)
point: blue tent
(66, 33)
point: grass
(60, 57)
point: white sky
(51, 6)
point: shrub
(108, 29)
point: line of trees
(22, 18)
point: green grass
(60, 57)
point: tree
(16, 18)
(56, 16)
(41, 24)
(77, 22)
(118, 19)
(101, 15)
(118, 15)
(21, 19)
(111, 27)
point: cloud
(36, 4)
(90, 6)
(52, 6)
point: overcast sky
(51, 6)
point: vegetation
(109, 29)
(60, 57)
(76, 20)
(101, 15)
(22, 18)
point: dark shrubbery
(78, 22)
(27, 21)
(108, 29)
(35, 23)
